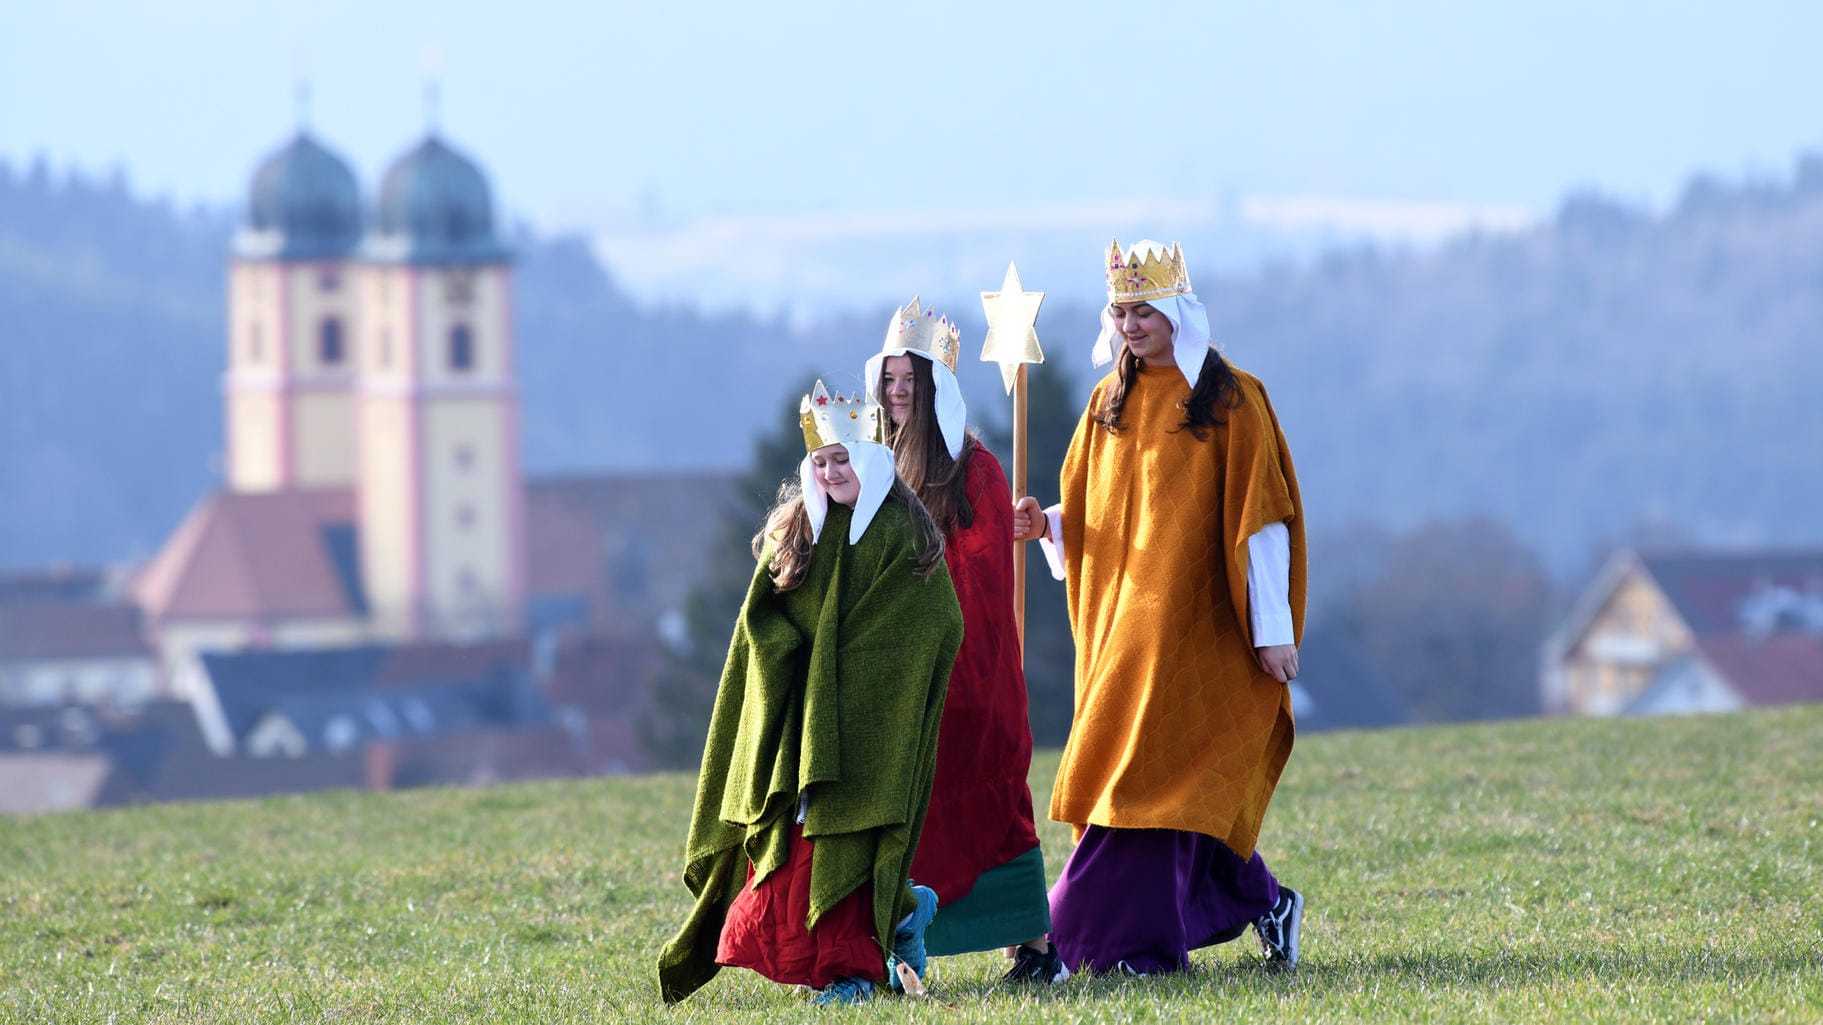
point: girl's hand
(1279, 660)
(1029, 521)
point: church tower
(441, 502)
(289, 387)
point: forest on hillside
(1473, 424)
(1610, 370)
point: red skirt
(765, 928)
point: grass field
(1561, 871)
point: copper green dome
(435, 208)
(304, 204)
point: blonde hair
(788, 527)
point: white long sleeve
(1052, 542)
(1269, 586)
(1268, 577)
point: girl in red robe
(980, 849)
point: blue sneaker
(908, 938)
(851, 990)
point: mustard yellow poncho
(1177, 726)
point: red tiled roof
(246, 556)
(1707, 588)
(1773, 670)
(635, 545)
(64, 630)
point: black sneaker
(1031, 965)
(1279, 928)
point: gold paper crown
(834, 420)
(1133, 279)
(924, 331)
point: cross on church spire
(300, 98)
(433, 87)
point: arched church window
(461, 348)
(329, 342)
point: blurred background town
(388, 394)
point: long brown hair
(922, 455)
(788, 524)
(1215, 389)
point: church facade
(373, 492)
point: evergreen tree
(676, 720)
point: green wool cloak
(835, 688)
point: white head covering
(1189, 325)
(952, 413)
(872, 464)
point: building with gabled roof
(68, 636)
(1690, 631)
(377, 581)
(336, 700)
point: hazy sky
(597, 116)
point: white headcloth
(1189, 325)
(872, 464)
(952, 413)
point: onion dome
(435, 208)
(304, 205)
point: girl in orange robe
(1180, 538)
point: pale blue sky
(600, 116)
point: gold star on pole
(1012, 327)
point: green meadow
(1539, 871)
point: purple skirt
(1150, 896)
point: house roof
(383, 691)
(57, 584)
(113, 753)
(1708, 587)
(39, 631)
(194, 774)
(630, 546)
(1772, 670)
(276, 555)
(80, 727)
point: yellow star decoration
(1012, 327)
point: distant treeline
(1608, 368)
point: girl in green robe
(818, 765)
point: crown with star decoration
(837, 420)
(924, 331)
(1147, 271)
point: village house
(1690, 631)
(378, 596)
(68, 636)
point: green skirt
(1008, 906)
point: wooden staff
(1012, 342)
